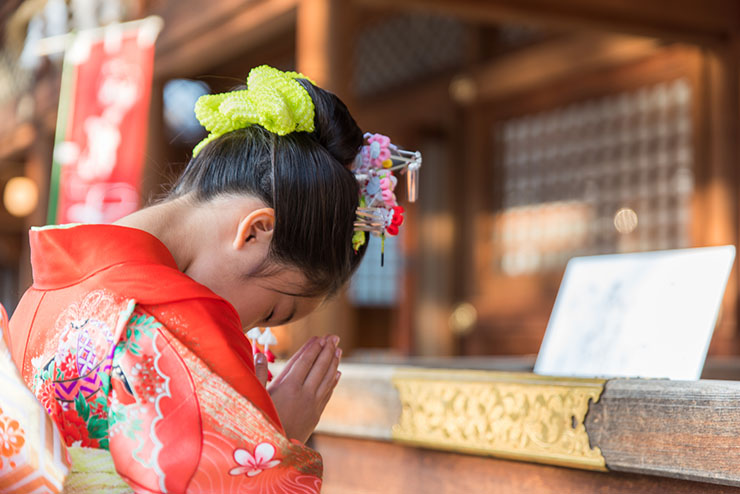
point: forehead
(283, 280)
(290, 284)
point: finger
(293, 360)
(300, 351)
(328, 396)
(327, 383)
(320, 367)
(305, 362)
(306, 346)
(260, 368)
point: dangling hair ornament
(374, 167)
(257, 337)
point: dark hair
(305, 177)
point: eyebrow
(290, 316)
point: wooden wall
(369, 467)
(584, 49)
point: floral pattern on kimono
(118, 379)
(72, 376)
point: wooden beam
(186, 20)
(396, 112)
(552, 61)
(214, 40)
(706, 22)
(685, 430)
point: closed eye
(269, 316)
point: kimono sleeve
(210, 328)
(176, 426)
(33, 457)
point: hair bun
(272, 99)
(334, 127)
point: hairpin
(374, 167)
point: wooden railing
(644, 435)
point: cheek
(252, 304)
(306, 307)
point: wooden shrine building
(545, 127)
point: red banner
(102, 126)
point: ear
(257, 226)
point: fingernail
(335, 340)
(338, 353)
(339, 374)
(260, 358)
(322, 341)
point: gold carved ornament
(510, 415)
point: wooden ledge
(683, 430)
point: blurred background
(549, 129)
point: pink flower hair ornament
(374, 168)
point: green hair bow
(273, 99)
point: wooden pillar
(314, 35)
(437, 234)
(734, 176)
(323, 53)
(716, 204)
(324, 44)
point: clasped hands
(302, 390)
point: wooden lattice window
(406, 48)
(610, 174)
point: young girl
(132, 334)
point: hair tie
(273, 99)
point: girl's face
(263, 300)
(233, 241)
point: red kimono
(127, 353)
